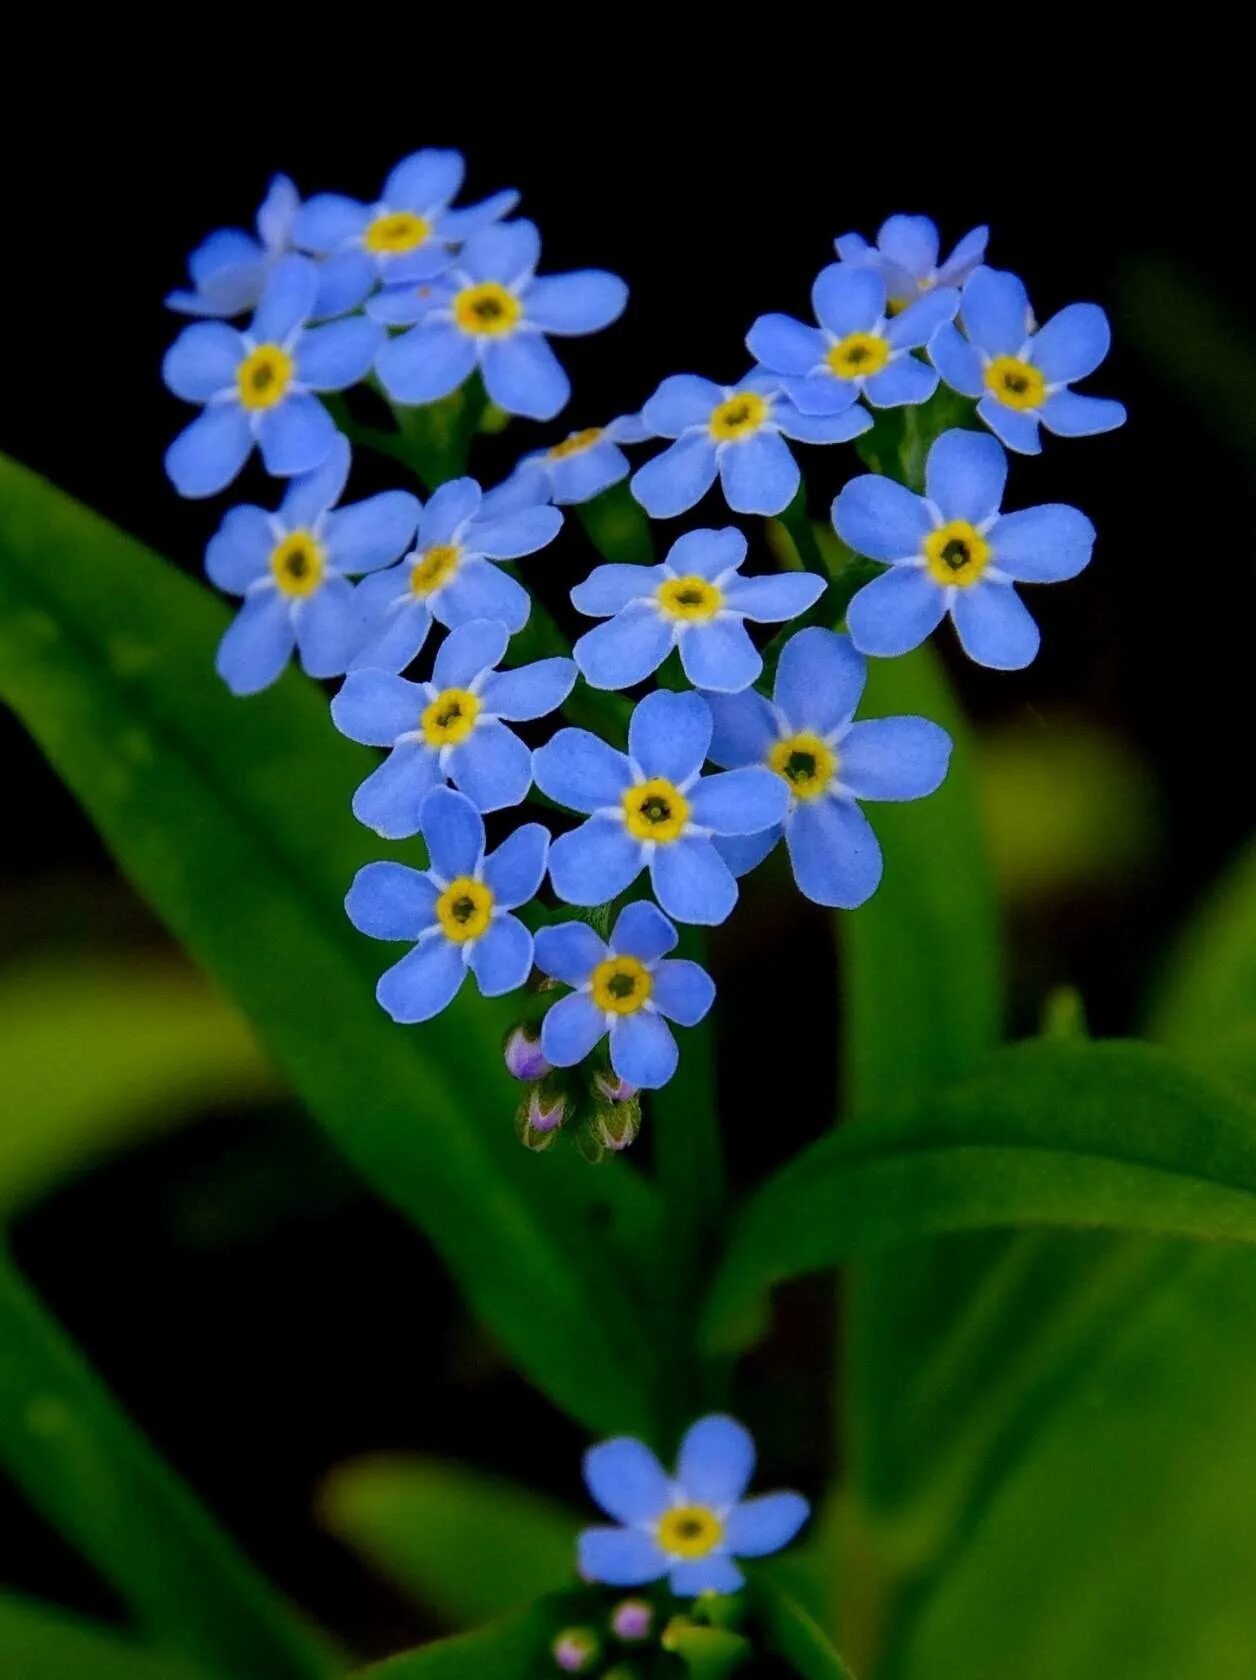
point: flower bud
(576, 1650)
(542, 1110)
(615, 1125)
(609, 1087)
(632, 1620)
(522, 1052)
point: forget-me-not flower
(586, 462)
(449, 576)
(449, 729)
(735, 431)
(1022, 374)
(492, 311)
(258, 386)
(652, 808)
(826, 762)
(456, 913)
(951, 551)
(688, 1526)
(229, 270)
(292, 569)
(696, 601)
(906, 257)
(626, 987)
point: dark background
(221, 1273)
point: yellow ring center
(434, 568)
(1015, 383)
(806, 762)
(621, 985)
(956, 554)
(691, 599)
(576, 444)
(396, 231)
(465, 909)
(689, 1531)
(450, 718)
(656, 810)
(297, 564)
(738, 416)
(264, 376)
(487, 310)
(858, 355)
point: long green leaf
(83, 1463)
(40, 1643)
(795, 1636)
(1112, 1136)
(513, 1649)
(232, 819)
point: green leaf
(79, 1459)
(233, 819)
(792, 1634)
(463, 1544)
(40, 1643)
(708, 1653)
(513, 1649)
(1112, 1136)
(97, 1054)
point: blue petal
(994, 626)
(819, 680)
(627, 1480)
(257, 644)
(894, 758)
(681, 401)
(624, 651)
(339, 354)
(785, 345)
(916, 325)
(459, 225)
(643, 1050)
(744, 852)
(277, 213)
(965, 475)
(744, 801)
(672, 482)
(375, 708)
(642, 930)
(713, 1574)
(523, 376)
(882, 519)
(310, 494)
(448, 507)
(707, 554)
(683, 991)
(904, 380)
(504, 252)
(839, 420)
(1072, 344)
(760, 1526)
(521, 490)
(957, 361)
(202, 361)
(1019, 431)
(834, 853)
(759, 475)
(391, 901)
(578, 478)
(775, 598)
(579, 770)
(492, 767)
(287, 301)
(569, 952)
(529, 691)
(853, 247)
(393, 634)
(1042, 544)
(719, 655)
(745, 729)
(373, 533)
(328, 220)
(344, 280)
(239, 551)
(668, 735)
(510, 536)
(571, 1027)
(822, 394)
(327, 628)
(595, 862)
(620, 1557)
(970, 251)
(501, 958)
(514, 872)
(1069, 414)
(230, 290)
(454, 831)
(426, 363)
(473, 647)
(692, 882)
(295, 436)
(227, 248)
(423, 983)
(426, 180)
(895, 612)
(911, 242)
(996, 312)
(208, 454)
(582, 302)
(390, 800)
(609, 589)
(478, 589)
(405, 305)
(716, 1461)
(847, 299)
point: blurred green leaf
(1113, 1136)
(82, 1462)
(793, 1635)
(513, 1649)
(40, 1643)
(95, 1054)
(708, 1653)
(463, 1544)
(233, 819)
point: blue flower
(689, 1526)
(695, 601)
(450, 576)
(737, 431)
(651, 807)
(587, 462)
(951, 551)
(408, 235)
(257, 386)
(229, 270)
(449, 729)
(906, 257)
(456, 914)
(623, 988)
(292, 567)
(1022, 376)
(826, 762)
(857, 350)
(492, 311)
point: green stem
(802, 533)
(617, 526)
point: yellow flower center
(956, 554)
(450, 718)
(858, 355)
(655, 810)
(297, 564)
(738, 417)
(806, 763)
(689, 1531)
(395, 231)
(576, 444)
(488, 309)
(464, 909)
(691, 599)
(1016, 383)
(434, 568)
(264, 375)
(621, 985)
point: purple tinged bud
(632, 1620)
(542, 1110)
(611, 1088)
(576, 1650)
(522, 1053)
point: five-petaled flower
(690, 1526)
(449, 729)
(1022, 376)
(906, 257)
(586, 462)
(292, 569)
(696, 601)
(652, 808)
(735, 431)
(491, 310)
(410, 234)
(826, 762)
(951, 551)
(857, 350)
(456, 914)
(258, 386)
(625, 987)
(449, 576)
(229, 270)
